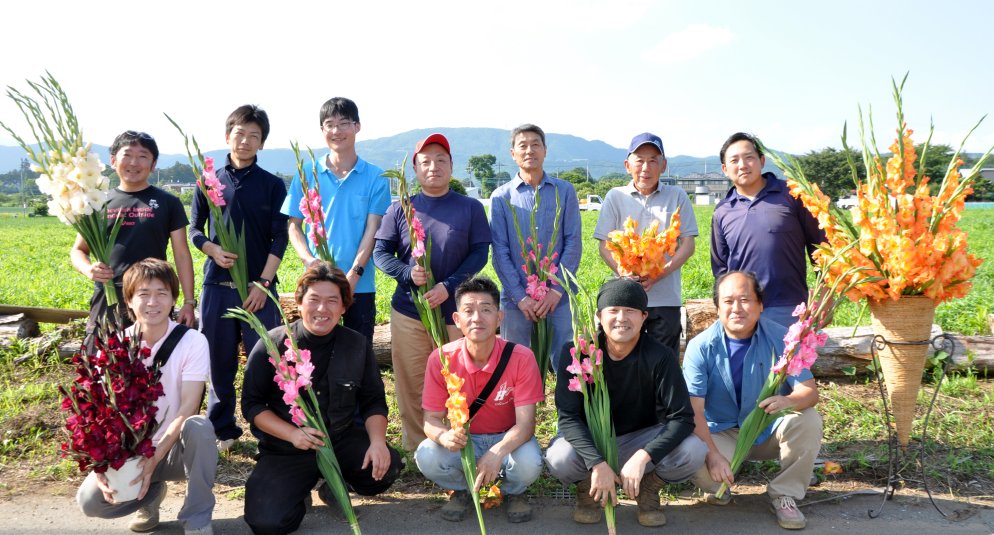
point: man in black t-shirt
(650, 410)
(152, 219)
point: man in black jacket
(346, 381)
(650, 409)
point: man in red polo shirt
(503, 431)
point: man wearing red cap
(646, 200)
(460, 241)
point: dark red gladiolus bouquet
(111, 404)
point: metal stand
(898, 459)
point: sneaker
(725, 499)
(225, 445)
(147, 516)
(206, 530)
(788, 515)
(518, 508)
(455, 510)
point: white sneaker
(225, 445)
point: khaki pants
(795, 442)
(410, 346)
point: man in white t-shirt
(184, 443)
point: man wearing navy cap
(460, 241)
(646, 200)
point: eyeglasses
(341, 127)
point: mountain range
(565, 152)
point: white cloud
(688, 44)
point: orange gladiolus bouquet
(644, 255)
(905, 239)
(458, 416)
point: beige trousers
(410, 347)
(795, 442)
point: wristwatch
(359, 270)
(265, 282)
(190, 301)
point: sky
(692, 72)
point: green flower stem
(468, 457)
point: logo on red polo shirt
(504, 394)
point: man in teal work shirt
(355, 196)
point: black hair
(131, 137)
(735, 138)
(527, 127)
(249, 113)
(478, 285)
(340, 106)
(756, 286)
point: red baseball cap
(434, 138)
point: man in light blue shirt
(528, 149)
(725, 368)
(354, 195)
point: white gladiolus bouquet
(71, 175)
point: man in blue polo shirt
(355, 196)
(460, 241)
(253, 197)
(759, 227)
(528, 149)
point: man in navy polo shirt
(460, 241)
(759, 227)
(355, 195)
(253, 198)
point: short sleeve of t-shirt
(694, 373)
(379, 199)
(528, 382)
(688, 222)
(291, 205)
(607, 218)
(434, 394)
(177, 214)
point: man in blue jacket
(725, 368)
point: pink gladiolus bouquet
(111, 404)
(540, 273)
(312, 207)
(71, 175)
(293, 376)
(431, 318)
(231, 240)
(801, 345)
(588, 380)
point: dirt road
(907, 514)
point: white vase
(120, 480)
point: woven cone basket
(909, 319)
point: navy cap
(646, 138)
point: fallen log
(18, 326)
(847, 350)
(44, 315)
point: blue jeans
(521, 467)
(361, 316)
(515, 328)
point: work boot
(455, 510)
(788, 515)
(147, 516)
(587, 510)
(650, 511)
(518, 508)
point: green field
(35, 270)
